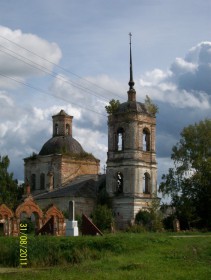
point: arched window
(33, 182)
(42, 181)
(146, 139)
(119, 182)
(53, 182)
(146, 183)
(120, 139)
(67, 129)
(56, 129)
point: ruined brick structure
(131, 178)
(28, 208)
(60, 160)
(63, 170)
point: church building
(63, 171)
(131, 177)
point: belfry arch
(146, 140)
(134, 155)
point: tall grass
(51, 251)
(125, 256)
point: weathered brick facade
(132, 161)
(60, 160)
(51, 172)
(131, 177)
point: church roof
(61, 145)
(132, 106)
(83, 186)
(62, 113)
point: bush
(102, 217)
(151, 220)
(136, 229)
(143, 218)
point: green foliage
(49, 251)
(152, 108)
(143, 218)
(189, 182)
(119, 256)
(102, 217)
(150, 220)
(136, 228)
(112, 107)
(10, 193)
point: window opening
(146, 140)
(56, 129)
(120, 139)
(146, 188)
(67, 131)
(33, 182)
(42, 181)
(119, 182)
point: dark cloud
(193, 73)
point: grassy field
(119, 256)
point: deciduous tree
(189, 182)
(10, 193)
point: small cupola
(62, 124)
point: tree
(151, 220)
(152, 108)
(189, 182)
(10, 193)
(102, 217)
(112, 107)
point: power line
(60, 67)
(51, 73)
(47, 93)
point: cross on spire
(131, 92)
(131, 82)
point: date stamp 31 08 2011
(23, 245)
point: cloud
(18, 59)
(186, 83)
(30, 127)
(183, 94)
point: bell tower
(131, 176)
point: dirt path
(190, 236)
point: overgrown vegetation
(112, 107)
(49, 251)
(10, 192)
(102, 217)
(148, 220)
(119, 256)
(189, 182)
(151, 107)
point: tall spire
(131, 82)
(131, 92)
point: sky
(74, 55)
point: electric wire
(51, 72)
(62, 68)
(47, 93)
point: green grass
(120, 256)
